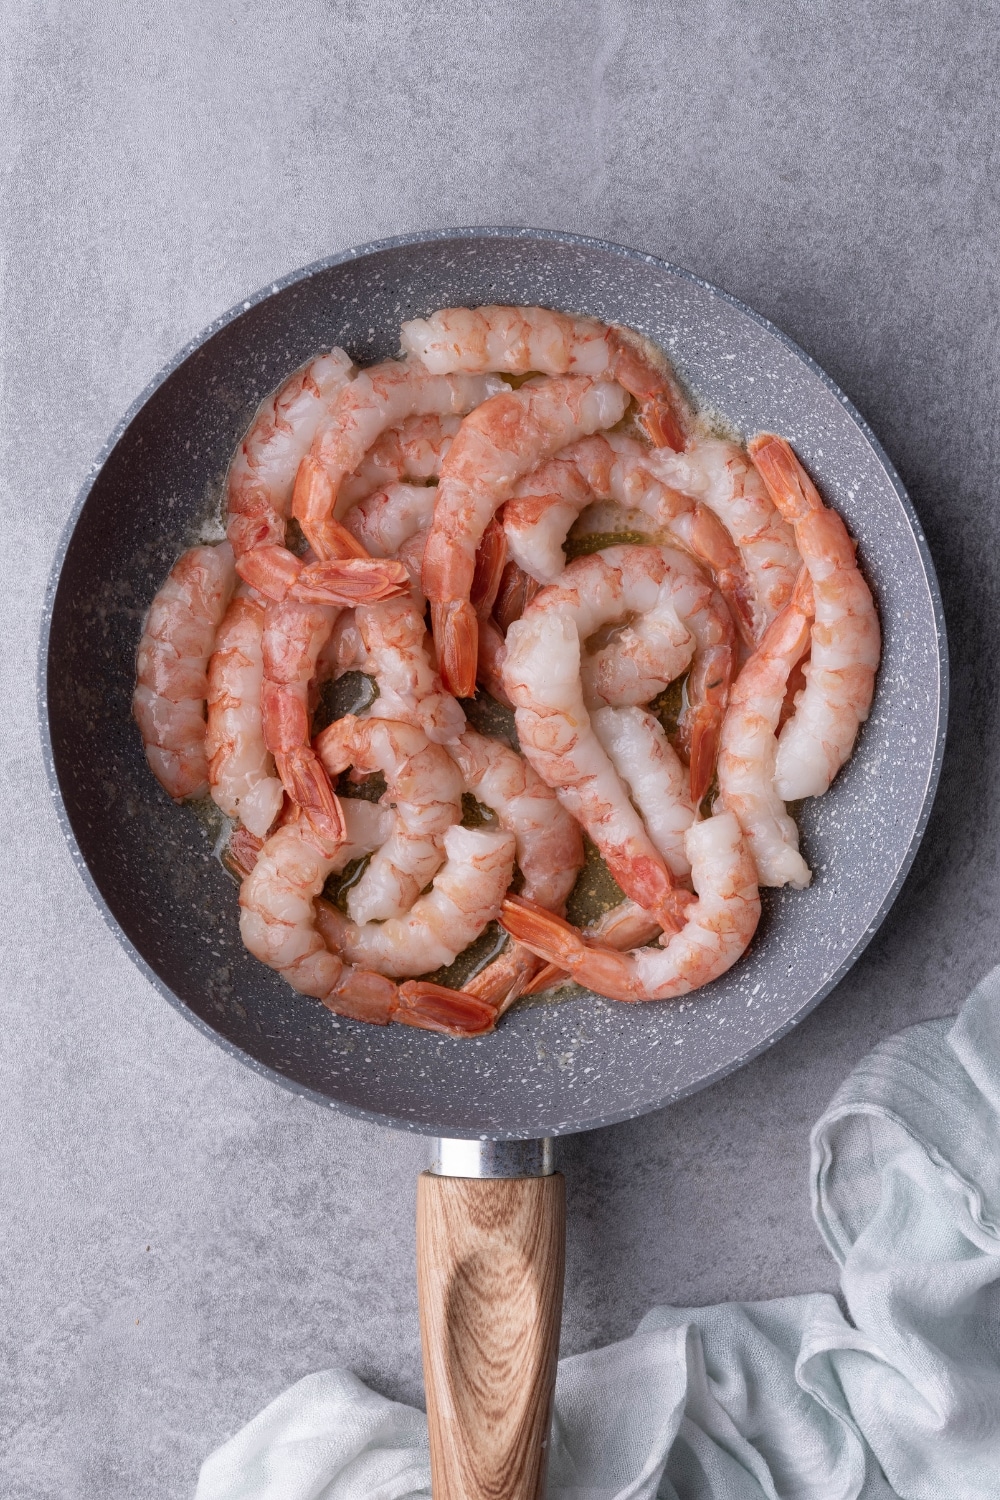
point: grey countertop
(179, 1239)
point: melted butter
(596, 541)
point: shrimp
(280, 923)
(262, 474)
(845, 643)
(548, 842)
(615, 467)
(380, 397)
(500, 442)
(409, 453)
(542, 679)
(465, 896)
(521, 339)
(424, 787)
(171, 686)
(749, 747)
(718, 928)
(241, 770)
(677, 620)
(718, 474)
(651, 768)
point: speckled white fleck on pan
(549, 1068)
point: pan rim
(424, 237)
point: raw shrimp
(548, 841)
(845, 643)
(651, 769)
(171, 685)
(424, 787)
(262, 474)
(749, 747)
(719, 474)
(718, 927)
(500, 442)
(465, 896)
(411, 452)
(522, 339)
(616, 467)
(279, 913)
(380, 397)
(542, 679)
(241, 770)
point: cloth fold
(781, 1400)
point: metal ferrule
(453, 1158)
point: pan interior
(549, 1068)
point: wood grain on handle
(490, 1256)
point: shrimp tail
(312, 505)
(517, 589)
(363, 995)
(661, 406)
(505, 979)
(346, 580)
(712, 545)
(271, 570)
(432, 1007)
(550, 937)
(546, 977)
(305, 779)
(491, 559)
(349, 581)
(704, 728)
(492, 651)
(787, 482)
(455, 625)
(241, 852)
(562, 945)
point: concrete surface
(178, 1239)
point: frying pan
(490, 1233)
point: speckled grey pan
(550, 1068)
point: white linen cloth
(790, 1399)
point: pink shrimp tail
(455, 626)
(787, 482)
(242, 851)
(312, 505)
(563, 947)
(704, 729)
(491, 559)
(349, 581)
(271, 570)
(305, 780)
(517, 589)
(363, 995)
(660, 403)
(649, 883)
(431, 1007)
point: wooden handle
(490, 1257)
